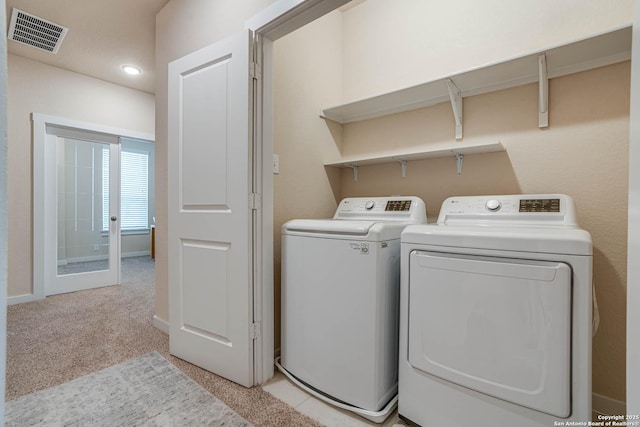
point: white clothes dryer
(340, 297)
(495, 314)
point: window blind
(134, 190)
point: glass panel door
(87, 175)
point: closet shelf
(441, 150)
(598, 51)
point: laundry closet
(501, 140)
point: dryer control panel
(399, 208)
(526, 209)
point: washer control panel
(539, 205)
(398, 208)
(516, 209)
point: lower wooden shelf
(457, 150)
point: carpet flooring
(145, 391)
(63, 337)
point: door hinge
(255, 330)
(255, 70)
(254, 201)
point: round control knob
(369, 205)
(493, 205)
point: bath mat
(145, 391)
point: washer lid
(340, 229)
(553, 240)
(329, 226)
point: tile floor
(289, 393)
(285, 390)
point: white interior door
(82, 181)
(210, 217)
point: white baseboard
(135, 254)
(102, 257)
(85, 259)
(607, 406)
(19, 299)
(161, 324)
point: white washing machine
(340, 296)
(495, 314)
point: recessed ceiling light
(130, 69)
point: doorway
(92, 192)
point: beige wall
(394, 44)
(3, 206)
(35, 87)
(182, 27)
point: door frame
(40, 122)
(279, 19)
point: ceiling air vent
(37, 32)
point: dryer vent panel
(34, 31)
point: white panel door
(87, 191)
(78, 180)
(210, 219)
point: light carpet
(145, 391)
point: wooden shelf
(597, 51)
(454, 149)
(442, 150)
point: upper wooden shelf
(582, 55)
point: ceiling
(103, 35)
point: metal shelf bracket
(455, 95)
(355, 172)
(543, 92)
(459, 157)
(403, 164)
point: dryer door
(496, 325)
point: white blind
(105, 189)
(134, 190)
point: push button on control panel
(493, 205)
